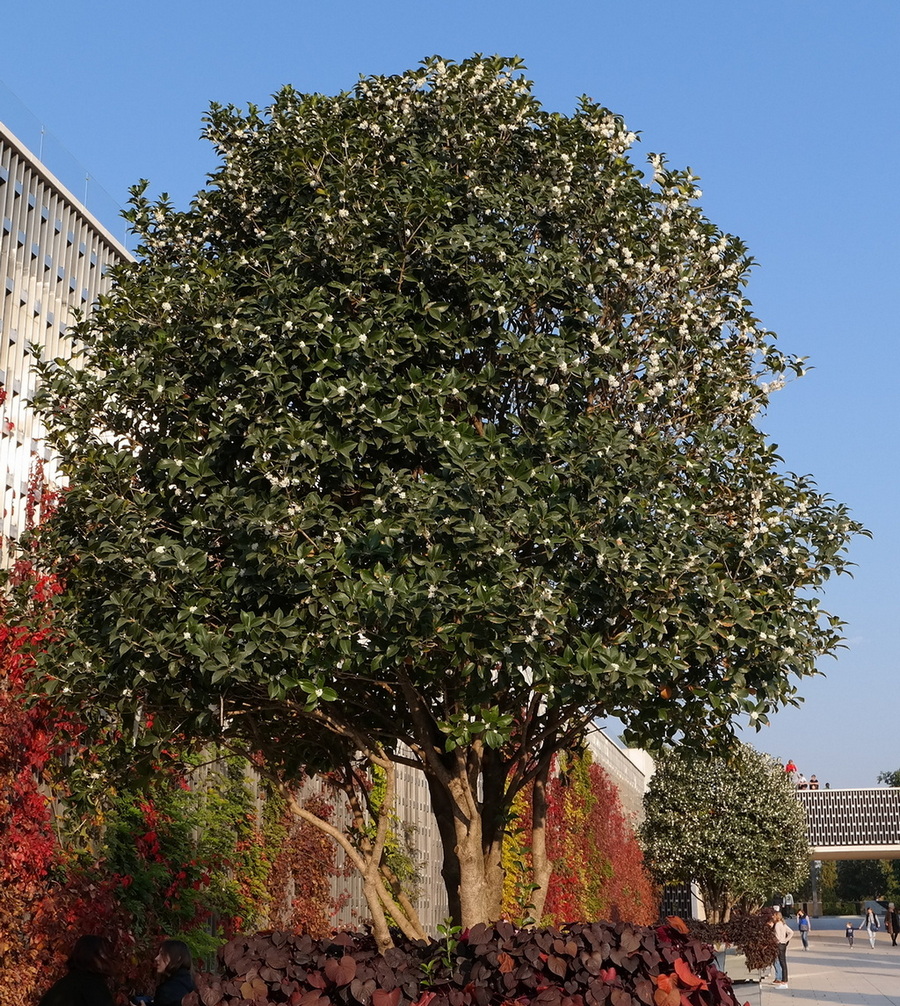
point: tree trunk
(458, 813)
(472, 828)
(717, 904)
(444, 816)
(380, 927)
(539, 860)
(473, 894)
(494, 817)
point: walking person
(892, 923)
(87, 980)
(804, 927)
(783, 934)
(870, 924)
(848, 932)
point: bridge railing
(853, 823)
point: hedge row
(576, 965)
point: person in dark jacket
(892, 923)
(87, 980)
(173, 964)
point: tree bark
(539, 859)
(459, 817)
(444, 817)
(494, 818)
(468, 835)
(472, 832)
(380, 927)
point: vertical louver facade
(54, 261)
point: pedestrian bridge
(852, 823)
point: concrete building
(630, 770)
(54, 261)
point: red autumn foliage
(598, 866)
(50, 893)
(300, 879)
(27, 742)
(44, 905)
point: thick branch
(539, 859)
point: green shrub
(840, 908)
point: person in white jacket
(870, 923)
(783, 934)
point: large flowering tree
(433, 420)
(732, 823)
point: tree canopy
(732, 823)
(432, 420)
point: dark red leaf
(277, 957)
(211, 995)
(619, 997)
(380, 997)
(342, 971)
(557, 965)
(314, 998)
(549, 997)
(362, 990)
(631, 941)
(253, 989)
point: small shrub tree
(732, 824)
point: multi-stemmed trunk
(472, 788)
(472, 810)
(388, 903)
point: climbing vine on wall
(45, 891)
(598, 869)
(192, 851)
(27, 843)
(299, 883)
(188, 849)
(191, 848)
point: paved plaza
(833, 972)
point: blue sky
(788, 109)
